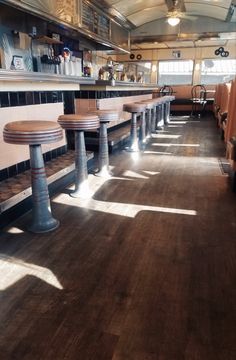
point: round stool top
(148, 103)
(32, 132)
(168, 98)
(158, 101)
(107, 115)
(80, 122)
(134, 108)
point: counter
(10, 80)
(107, 85)
(112, 95)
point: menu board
(95, 22)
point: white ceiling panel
(152, 46)
(203, 43)
(206, 10)
(221, 3)
(228, 36)
(179, 44)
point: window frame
(176, 60)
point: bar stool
(167, 111)
(134, 109)
(105, 116)
(35, 133)
(156, 104)
(80, 123)
(150, 115)
(159, 121)
(143, 136)
(168, 100)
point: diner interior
(118, 180)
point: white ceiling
(140, 12)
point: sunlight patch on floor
(164, 136)
(122, 209)
(94, 183)
(14, 230)
(139, 174)
(134, 174)
(135, 156)
(157, 152)
(175, 126)
(172, 144)
(177, 122)
(13, 270)
(151, 172)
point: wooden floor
(145, 270)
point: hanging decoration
(221, 51)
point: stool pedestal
(143, 137)
(162, 116)
(81, 171)
(143, 128)
(105, 116)
(153, 122)
(103, 155)
(133, 134)
(150, 116)
(159, 118)
(43, 220)
(35, 133)
(134, 109)
(167, 113)
(80, 123)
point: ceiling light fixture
(173, 21)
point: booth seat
(230, 127)
(230, 134)
(223, 102)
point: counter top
(12, 80)
(36, 81)
(107, 85)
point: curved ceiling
(139, 12)
(203, 22)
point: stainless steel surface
(23, 76)
(30, 81)
(124, 83)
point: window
(217, 71)
(176, 72)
